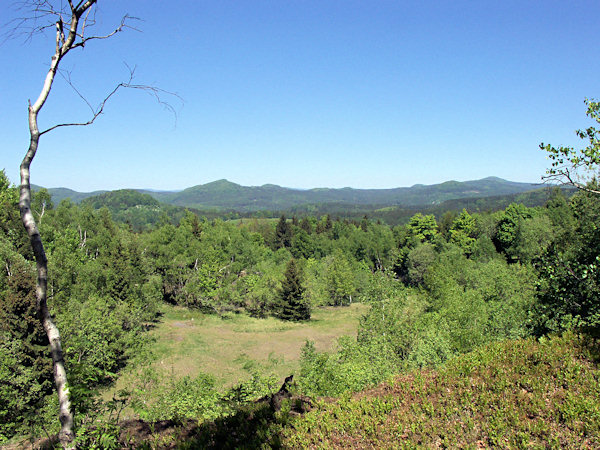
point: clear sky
(309, 93)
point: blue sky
(303, 93)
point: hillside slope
(513, 394)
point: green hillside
(227, 195)
(138, 210)
(514, 394)
(223, 195)
(121, 199)
(231, 201)
(61, 193)
(394, 215)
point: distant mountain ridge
(225, 195)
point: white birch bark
(70, 34)
(63, 45)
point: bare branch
(564, 178)
(85, 22)
(34, 12)
(81, 6)
(120, 28)
(154, 91)
(41, 15)
(66, 75)
(95, 115)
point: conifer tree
(306, 225)
(283, 233)
(292, 305)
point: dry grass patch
(229, 347)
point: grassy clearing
(188, 342)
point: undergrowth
(523, 393)
(515, 394)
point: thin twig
(154, 91)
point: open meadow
(231, 347)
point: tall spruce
(292, 305)
(283, 233)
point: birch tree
(71, 21)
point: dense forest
(142, 211)
(437, 288)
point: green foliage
(187, 398)
(533, 238)
(463, 305)
(99, 335)
(101, 295)
(302, 246)
(10, 221)
(480, 302)
(433, 294)
(257, 386)
(423, 228)
(418, 261)
(352, 368)
(570, 275)
(462, 232)
(508, 226)
(283, 234)
(99, 427)
(138, 210)
(167, 397)
(292, 305)
(577, 167)
(23, 389)
(339, 278)
(25, 366)
(121, 199)
(41, 202)
(261, 288)
(365, 361)
(515, 394)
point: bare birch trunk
(69, 35)
(66, 435)
(63, 45)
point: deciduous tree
(577, 167)
(423, 227)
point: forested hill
(228, 195)
(141, 210)
(61, 193)
(121, 199)
(225, 195)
